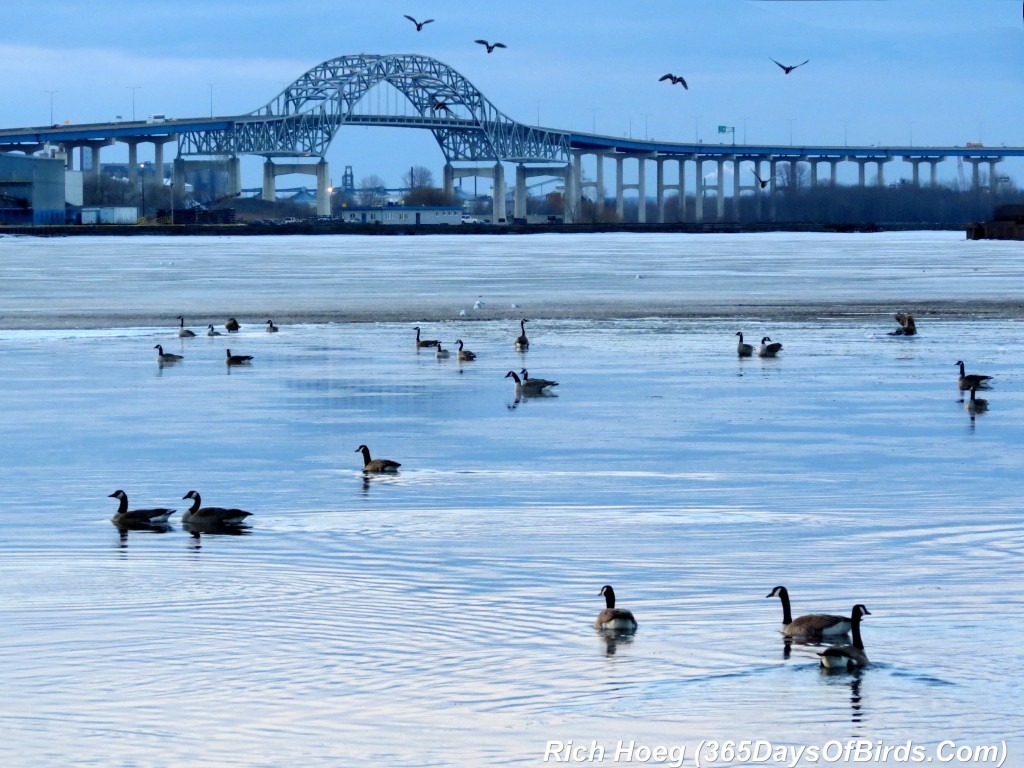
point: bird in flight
(762, 182)
(419, 24)
(441, 106)
(786, 69)
(490, 46)
(676, 80)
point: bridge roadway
(97, 135)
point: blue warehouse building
(31, 189)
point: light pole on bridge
(51, 105)
(133, 89)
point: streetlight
(133, 89)
(745, 121)
(646, 133)
(790, 121)
(51, 104)
(211, 98)
(593, 122)
(696, 128)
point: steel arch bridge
(304, 118)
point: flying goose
(811, 625)
(421, 343)
(197, 514)
(976, 405)
(762, 182)
(787, 69)
(184, 332)
(768, 350)
(271, 328)
(522, 343)
(237, 359)
(530, 386)
(232, 325)
(376, 465)
(211, 331)
(127, 517)
(441, 354)
(166, 357)
(618, 619)
(419, 24)
(464, 354)
(490, 46)
(907, 325)
(675, 80)
(441, 106)
(743, 350)
(968, 380)
(848, 656)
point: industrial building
(401, 214)
(32, 189)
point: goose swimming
(125, 517)
(811, 625)
(464, 354)
(618, 619)
(237, 359)
(522, 343)
(768, 350)
(271, 328)
(848, 656)
(968, 380)
(184, 332)
(376, 465)
(743, 350)
(197, 514)
(421, 343)
(211, 331)
(530, 386)
(166, 357)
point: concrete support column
(599, 181)
(833, 176)
(620, 207)
(94, 152)
(773, 175)
(915, 173)
(269, 185)
(519, 197)
(735, 188)
(323, 182)
(880, 162)
(177, 178)
(448, 180)
(682, 189)
(641, 203)
(498, 193)
(993, 178)
(571, 193)
(158, 161)
(720, 190)
(659, 174)
(934, 180)
(814, 172)
(133, 163)
(860, 169)
(698, 200)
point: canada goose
(490, 46)
(441, 106)
(237, 359)
(675, 80)
(271, 328)
(907, 325)
(421, 343)
(211, 331)
(464, 354)
(522, 343)
(787, 69)
(440, 353)
(848, 656)
(419, 24)
(211, 515)
(968, 380)
(127, 517)
(768, 350)
(618, 619)
(813, 625)
(743, 350)
(232, 325)
(976, 405)
(166, 357)
(530, 386)
(542, 383)
(762, 182)
(184, 332)
(376, 465)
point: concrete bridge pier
(720, 190)
(272, 170)
(976, 173)
(571, 192)
(916, 163)
(523, 173)
(94, 146)
(698, 193)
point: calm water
(442, 617)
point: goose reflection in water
(122, 531)
(613, 638)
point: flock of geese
(231, 325)
(812, 627)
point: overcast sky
(926, 72)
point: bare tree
(418, 176)
(372, 190)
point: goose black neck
(122, 504)
(609, 597)
(196, 501)
(855, 629)
(787, 613)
